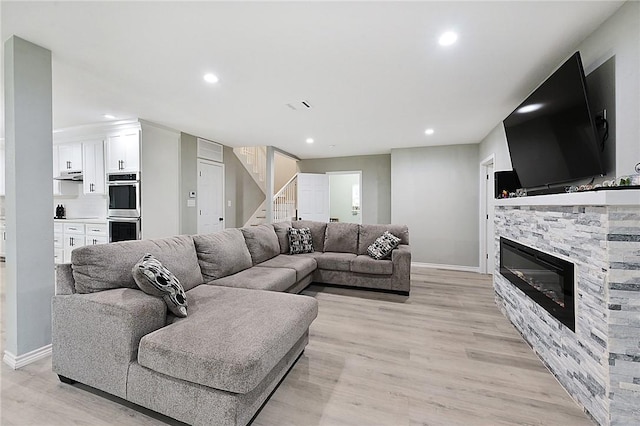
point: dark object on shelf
(60, 213)
(552, 135)
(615, 188)
(506, 181)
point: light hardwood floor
(443, 356)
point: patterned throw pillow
(383, 245)
(300, 240)
(156, 280)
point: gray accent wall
(376, 181)
(29, 275)
(188, 183)
(434, 190)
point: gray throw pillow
(383, 246)
(300, 241)
(156, 280)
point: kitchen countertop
(82, 219)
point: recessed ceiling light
(109, 116)
(309, 140)
(529, 108)
(429, 132)
(448, 38)
(210, 78)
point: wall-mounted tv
(552, 136)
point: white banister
(284, 201)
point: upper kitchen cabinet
(123, 153)
(69, 157)
(93, 168)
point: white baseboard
(420, 265)
(20, 361)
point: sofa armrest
(64, 279)
(95, 336)
(401, 278)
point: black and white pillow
(300, 240)
(383, 245)
(154, 279)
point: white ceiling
(373, 71)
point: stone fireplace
(545, 279)
(598, 359)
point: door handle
(68, 165)
(220, 219)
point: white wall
(619, 36)
(434, 190)
(159, 181)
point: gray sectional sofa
(244, 328)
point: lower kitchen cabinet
(68, 236)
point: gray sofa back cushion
(262, 242)
(222, 253)
(341, 237)
(107, 266)
(369, 233)
(317, 232)
(282, 229)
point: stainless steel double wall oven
(124, 206)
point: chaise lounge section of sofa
(243, 332)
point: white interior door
(210, 197)
(489, 213)
(313, 197)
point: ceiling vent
(301, 105)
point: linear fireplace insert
(546, 279)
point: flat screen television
(552, 136)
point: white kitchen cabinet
(68, 236)
(69, 157)
(93, 168)
(123, 153)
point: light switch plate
(191, 203)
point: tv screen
(551, 136)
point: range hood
(74, 175)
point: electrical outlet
(228, 203)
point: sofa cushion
(232, 338)
(317, 231)
(303, 266)
(341, 237)
(259, 278)
(107, 266)
(222, 253)
(262, 242)
(369, 233)
(335, 261)
(282, 231)
(383, 245)
(300, 241)
(364, 264)
(154, 279)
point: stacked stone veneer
(599, 364)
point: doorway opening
(345, 201)
(487, 238)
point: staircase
(254, 160)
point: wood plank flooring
(443, 356)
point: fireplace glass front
(546, 279)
